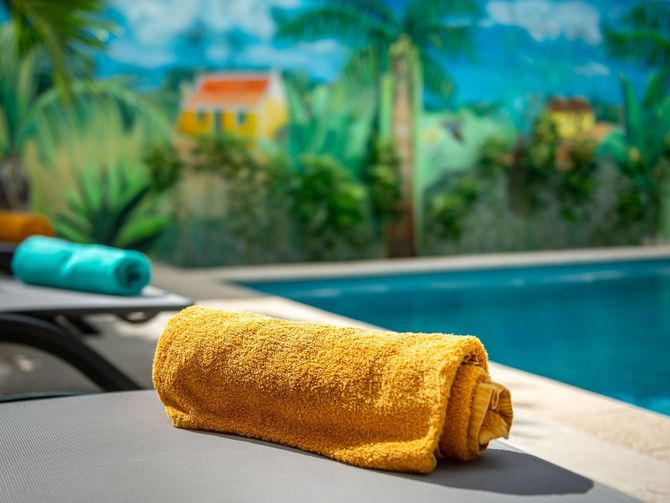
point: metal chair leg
(40, 334)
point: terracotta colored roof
(223, 90)
(576, 104)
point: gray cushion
(121, 447)
(16, 297)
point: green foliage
(449, 206)
(330, 207)
(381, 174)
(114, 206)
(544, 141)
(496, 154)
(32, 112)
(643, 35)
(68, 33)
(372, 28)
(632, 205)
(577, 183)
(328, 120)
(165, 166)
(258, 187)
(396, 53)
(534, 165)
(641, 151)
(542, 167)
(255, 191)
(223, 154)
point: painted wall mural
(246, 131)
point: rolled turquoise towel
(91, 268)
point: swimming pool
(604, 327)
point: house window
(241, 118)
(200, 114)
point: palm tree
(42, 36)
(642, 148)
(68, 32)
(32, 110)
(643, 35)
(399, 50)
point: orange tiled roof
(229, 90)
(571, 105)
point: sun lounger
(53, 320)
(122, 447)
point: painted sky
(522, 47)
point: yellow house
(573, 117)
(248, 104)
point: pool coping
(616, 443)
(270, 272)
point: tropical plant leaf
(374, 8)
(361, 68)
(73, 227)
(649, 15)
(436, 79)
(115, 91)
(657, 89)
(68, 32)
(126, 207)
(330, 121)
(445, 39)
(142, 233)
(337, 20)
(110, 205)
(437, 9)
(632, 114)
(645, 46)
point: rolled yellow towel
(366, 397)
(16, 226)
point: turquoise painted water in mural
(604, 327)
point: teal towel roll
(52, 262)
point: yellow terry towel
(366, 397)
(16, 226)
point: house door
(218, 121)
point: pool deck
(613, 442)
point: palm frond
(377, 9)
(338, 20)
(420, 12)
(436, 79)
(657, 89)
(49, 113)
(18, 77)
(632, 114)
(645, 46)
(331, 121)
(447, 39)
(362, 68)
(68, 32)
(648, 16)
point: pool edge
(296, 271)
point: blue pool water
(603, 327)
